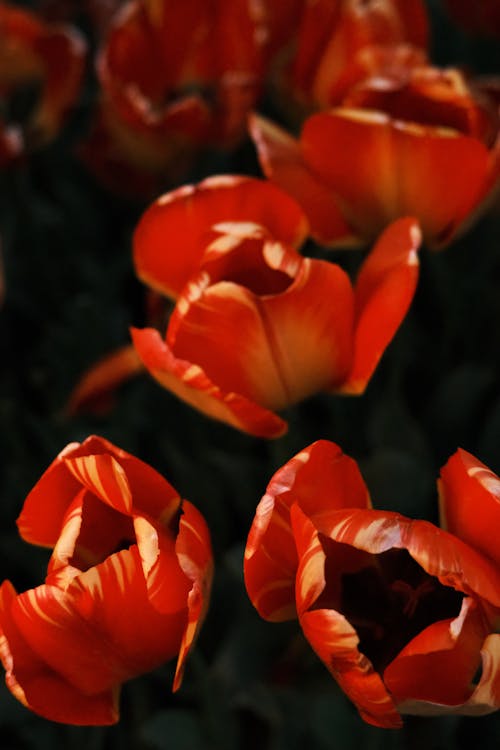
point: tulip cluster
(401, 613)
(364, 142)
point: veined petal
(335, 642)
(39, 687)
(281, 160)
(194, 553)
(170, 239)
(319, 479)
(331, 635)
(383, 292)
(439, 553)
(469, 495)
(410, 165)
(190, 383)
(95, 388)
(144, 636)
(439, 664)
(104, 477)
(45, 506)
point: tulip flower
(421, 143)
(47, 56)
(175, 78)
(126, 588)
(344, 41)
(256, 326)
(402, 613)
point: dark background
(71, 296)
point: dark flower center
(389, 599)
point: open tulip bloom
(418, 142)
(402, 613)
(127, 584)
(257, 327)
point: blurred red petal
(352, 150)
(38, 686)
(282, 161)
(470, 503)
(96, 386)
(188, 381)
(383, 292)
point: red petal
(439, 664)
(95, 388)
(282, 161)
(384, 290)
(331, 635)
(410, 165)
(126, 479)
(190, 383)
(319, 479)
(274, 349)
(170, 238)
(194, 553)
(103, 629)
(38, 686)
(439, 553)
(470, 503)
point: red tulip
(256, 326)
(341, 42)
(126, 589)
(36, 53)
(389, 151)
(175, 78)
(402, 613)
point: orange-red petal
(194, 553)
(282, 161)
(94, 391)
(383, 292)
(331, 635)
(439, 664)
(470, 503)
(170, 239)
(320, 479)
(439, 553)
(190, 383)
(410, 165)
(39, 687)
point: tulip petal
(95, 388)
(33, 682)
(76, 630)
(283, 347)
(439, 664)
(169, 240)
(439, 553)
(104, 477)
(319, 479)
(410, 164)
(331, 635)
(194, 553)
(470, 503)
(384, 290)
(188, 381)
(281, 160)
